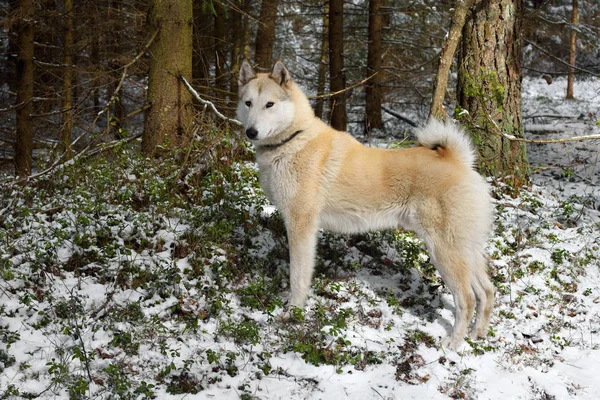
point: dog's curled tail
(450, 137)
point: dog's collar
(284, 141)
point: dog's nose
(252, 133)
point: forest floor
(130, 278)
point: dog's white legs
(456, 273)
(302, 237)
(484, 292)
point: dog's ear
(246, 73)
(280, 73)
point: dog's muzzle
(252, 133)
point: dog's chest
(278, 180)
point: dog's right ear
(246, 73)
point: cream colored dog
(318, 177)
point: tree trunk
(323, 63)
(169, 119)
(337, 79)
(374, 54)
(265, 35)
(114, 47)
(202, 46)
(238, 27)
(67, 123)
(572, 49)
(25, 46)
(489, 86)
(220, 51)
(445, 62)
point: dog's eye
(248, 103)
(270, 104)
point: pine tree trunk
(168, 121)
(337, 81)
(202, 46)
(572, 49)
(373, 86)
(236, 26)
(220, 51)
(323, 63)
(489, 86)
(265, 35)
(25, 46)
(67, 123)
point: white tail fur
(450, 136)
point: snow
(545, 325)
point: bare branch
(324, 96)
(208, 103)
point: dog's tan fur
(318, 177)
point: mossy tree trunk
(489, 86)
(168, 121)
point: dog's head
(265, 107)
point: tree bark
(25, 46)
(375, 52)
(447, 55)
(337, 81)
(489, 86)
(323, 63)
(169, 119)
(572, 49)
(67, 115)
(265, 35)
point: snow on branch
(208, 103)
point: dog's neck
(272, 146)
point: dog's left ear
(280, 73)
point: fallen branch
(556, 116)
(400, 117)
(208, 103)
(513, 138)
(561, 61)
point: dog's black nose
(252, 133)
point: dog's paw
(451, 343)
(477, 334)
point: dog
(319, 177)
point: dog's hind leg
(302, 238)
(484, 293)
(456, 273)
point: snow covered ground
(116, 295)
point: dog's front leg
(302, 237)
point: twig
(324, 96)
(208, 103)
